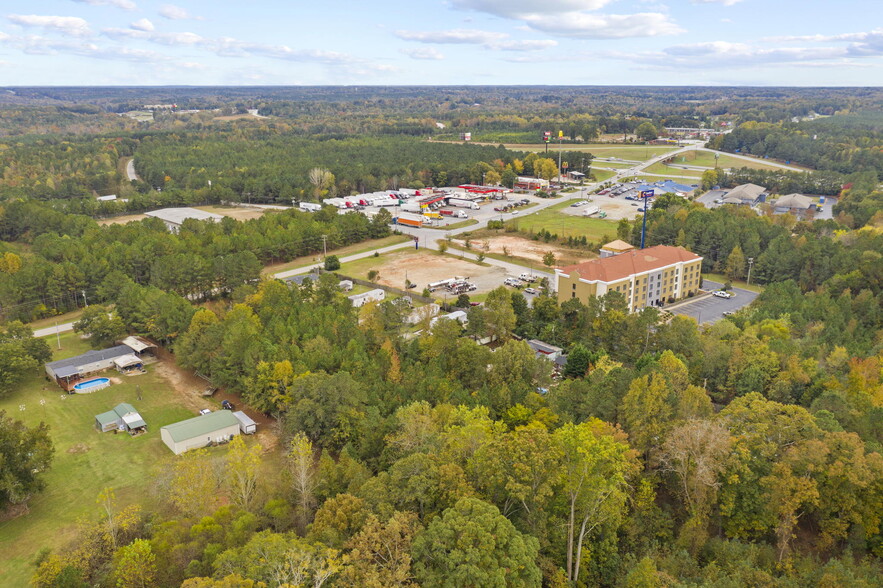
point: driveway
(710, 309)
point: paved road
(52, 330)
(130, 171)
(710, 309)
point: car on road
(722, 294)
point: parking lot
(710, 309)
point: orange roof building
(646, 277)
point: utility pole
(57, 335)
(86, 302)
(750, 263)
(324, 246)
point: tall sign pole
(560, 135)
(645, 194)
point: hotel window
(574, 286)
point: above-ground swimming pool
(91, 385)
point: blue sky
(297, 42)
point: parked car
(722, 294)
(728, 313)
(531, 291)
(227, 405)
(205, 411)
(640, 209)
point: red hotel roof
(617, 267)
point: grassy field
(736, 283)
(565, 225)
(602, 175)
(706, 159)
(354, 249)
(663, 169)
(85, 461)
(632, 152)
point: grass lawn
(565, 225)
(736, 283)
(602, 175)
(663, 169)
(632, 152)
(612, 164)
(706, 159)
(85, 461)
(353, 249)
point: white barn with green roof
(215, 427)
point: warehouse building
(174, 217)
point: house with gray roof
(215, 427)
(123, 417)
(67, 372)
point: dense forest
(744, 453)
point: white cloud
(717, 54)
(73, 26)
(124, 4)
(517, 9)
(578, 18)
(582, 25)
(172, 12)
(142, 25)
(423, 53)
(724, 2)
(487, 39)
(455, 36)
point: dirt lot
(530, 249)
(122, 220)
(239, 213)
(189, 387)
(423, 268)
(616, 208)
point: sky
(441, 42)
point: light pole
(750, 263)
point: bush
(332, 263)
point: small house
(123, 417)
(246, 425)
(376, 295)
(67, 372)
(542, 349)
(215, 427)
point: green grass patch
(564, 225)
(602, 175)
(353, 249)
(85, 461)
(736, 283)
(663, 169)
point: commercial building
(615, 248)
(646, 277)
(175, 217)
(215, 427)
(747, 194)
(796, 204)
